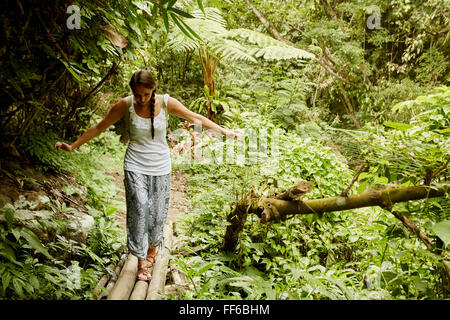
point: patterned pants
(147, 200)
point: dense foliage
(345, 84)
(63, 268)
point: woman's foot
(151, 255)
(143, 271)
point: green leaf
(200, 5)
(171, 3)
(95, 257)
(34, 281)
(205, 268)
(7, 252)
(183, 26)
(154, 10)
(165, 19)
(71, 70)
(217, 3)
(206, 91)
(398, 125)
(225, 106)
(442, 230)
(18, 287)
(34, 242)
(18, 88)
(9, 217)
(181, 13)
(6, 278)
(143, 6)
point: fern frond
(211, 14)
(271, 48)
(283, 53)
(254, 37)
(231, 50)
(229, 44)
(208, 30)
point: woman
(147, 165)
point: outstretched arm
(116, 112)
(175, 107)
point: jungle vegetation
(358, 92)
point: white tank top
(144, 154)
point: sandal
(151, 258)
(143, 272)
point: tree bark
(329, 10)
(349, 107)
(237, 219)
(414, 229)
(270, 209)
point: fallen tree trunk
(271, 209)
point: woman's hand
(62, 145)
(235, 133)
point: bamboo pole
(160, 267)
(97, 293)
(112, 280)
(127, 278)
(140, 290)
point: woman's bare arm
(175, 107)
(116, 112)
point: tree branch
(271, 209)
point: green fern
(269, 48)
(229, 45)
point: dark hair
(145, 79)
(142, 78)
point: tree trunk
(139, 290)
(209, 64)
(329, 10)
(271, 209)
(349, 107)
(237, 220)
(414, 229)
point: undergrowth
(355, 254)
(64, 268)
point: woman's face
(142, 95)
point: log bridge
(123, 284)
